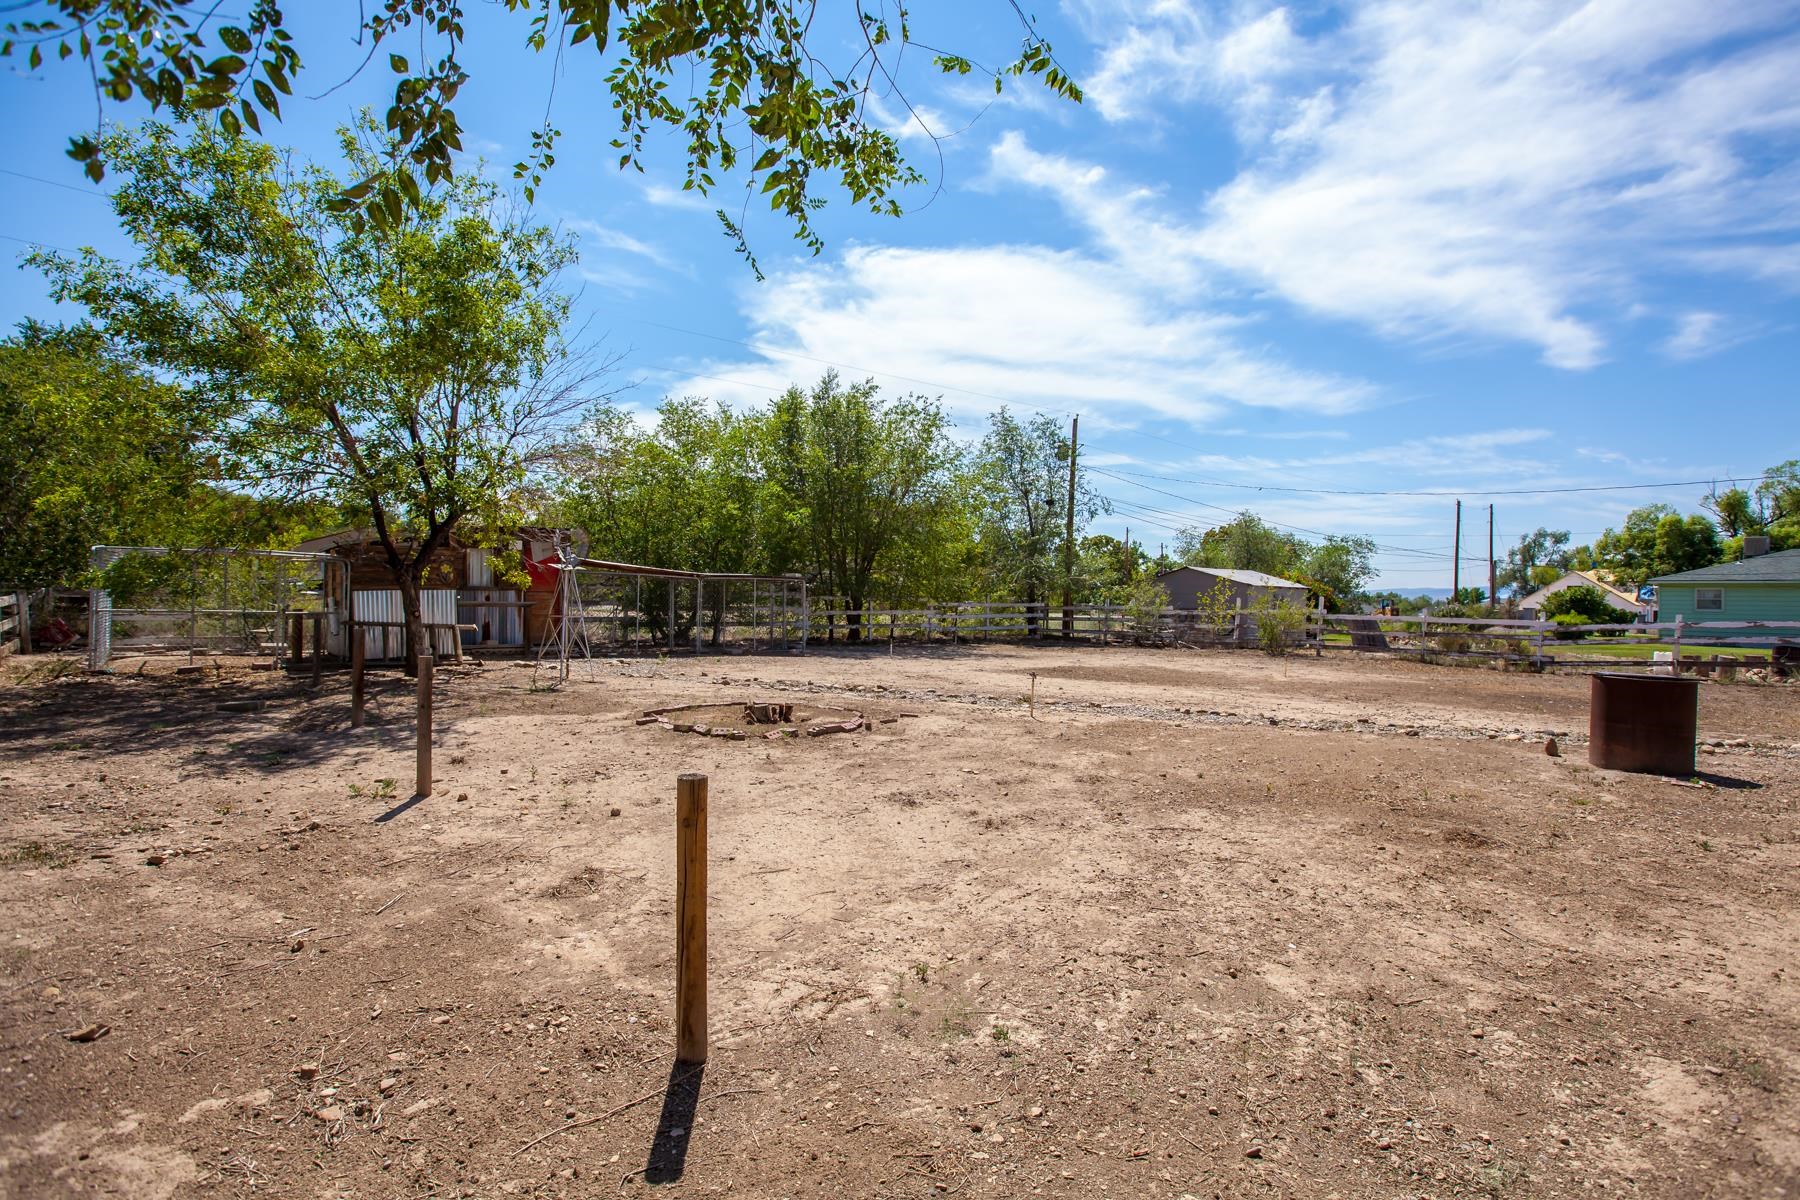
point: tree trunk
(853, 631)
(409, 580)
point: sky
(1338, 264)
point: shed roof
(1783, 566)
(1237, 575)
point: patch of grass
(50, 670)
(921, 972)
(1500, 1175)
(36, 854)
(1000, 1033)
(381, 789)
(958, 1022)
(1707, 845)
(1755, 1069)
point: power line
(69, 187)
(1408, 550)
(1464, 492)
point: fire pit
(769, 719)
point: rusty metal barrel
(1643, 723)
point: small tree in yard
(1584, 602)
(1145, 600)
(410, 373)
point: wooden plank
(690, 918)
(422, 772)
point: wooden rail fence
(15, 623)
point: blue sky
(1407, 246)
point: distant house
(1186, 585)
(1624, 601)
(1763, 587)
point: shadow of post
(399, 808)
(675, 1127)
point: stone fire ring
(717, 720)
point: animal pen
(261, 603)
(628, 607)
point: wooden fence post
(1678, 624)
(297, 639)
(318, 641)
(24, 622)
(422, 778)
(690, 918)
(358, 663)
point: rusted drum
(1643, 723)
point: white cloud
(1448, 171)
(663, 195)
(1699, 334)
(1023, 325)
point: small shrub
(1584, 602)
(1278, 625)
(1568, 625)
(1145, 600)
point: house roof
(1250, 578)
(1783, 566)
(1591, 579)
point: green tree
(410, 374)
(1339, 568)
(1107, 570)
(1736, 512)
(1582, 601)
(861, 478)
(1022, 473)
(1654, 540)
(1524, 566)
(738, 80)
(95, 452)
(1246, 544)
(1778, 500)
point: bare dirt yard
(1209, 924)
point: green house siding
(1743, 602)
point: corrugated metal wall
(436, 605)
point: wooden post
(24, 623)
(422, 781)
(318, 624)
(690, 918)
(296, 639)
(358, 695)
(1677, 658)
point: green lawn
(1649, 649)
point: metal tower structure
(569, 640)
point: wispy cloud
(1696, 335)
(1023, 325)
(1439, 171)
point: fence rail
(1533, 641)
(15, 623)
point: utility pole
(1069, 535)
(1493, 590)
(1456, 557)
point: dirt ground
(1208, 924)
